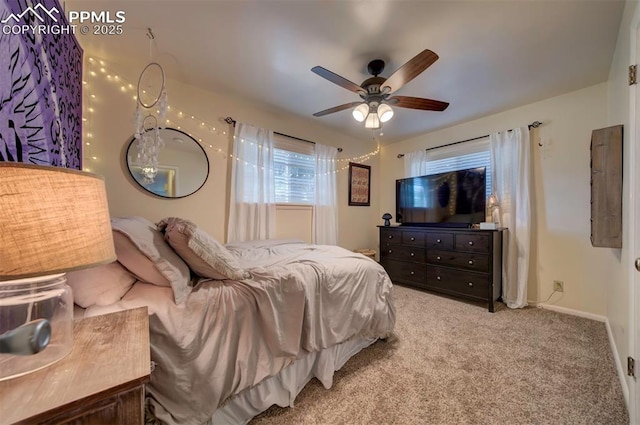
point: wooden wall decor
(40, 85)
(606, 187)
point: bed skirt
(283, 388)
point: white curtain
(325, 211)
(511, 165)
(415, 163)
(252, 207)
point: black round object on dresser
(386, 217)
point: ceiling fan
(376, 92)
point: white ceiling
(494, 55)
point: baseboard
(622, 375)
(571, 311)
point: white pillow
(205, 256)
(138, 263)
(153, 261)
(100, 285)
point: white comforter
(228, 336)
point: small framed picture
(359, 184)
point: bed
(237, 328)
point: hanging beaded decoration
(151, 93)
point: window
(295, 177)
(461, 156)
(294, 171)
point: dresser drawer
(439, 241)
(460, 262)
(457, 281)
(402, 271)
(406, 253)
(465, 260)
(389, 236)
(413, 238)
(472, 243)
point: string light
(198, 122)
(87, 123)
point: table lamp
(493, 205)
(52, 220)
(493, 213)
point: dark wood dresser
(459, 262)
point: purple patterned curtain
(40, 86)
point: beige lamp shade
(52, 220)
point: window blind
(459, 157)
(294, 172)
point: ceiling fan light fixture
(360, 112)
(385, 113)
(373, 121)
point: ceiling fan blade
(417, 103)
(337, 109)
(410, 70)
(336, 79)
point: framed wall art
(359, 184)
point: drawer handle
(438, 258)
(390, 236)
(470, 283)
(413, 255)
(470, 243)
(390, 251)
(438, 277)
(438, 241)
(413, 239)
(412, 273)
(471, 262)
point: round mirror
(182, 169)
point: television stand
(460, 262)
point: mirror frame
(132, 140)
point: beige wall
(561, 248)
(111, 126)
(294, 222)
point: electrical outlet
(558, 286)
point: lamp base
(24, 305)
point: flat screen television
(452, 199)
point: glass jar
(24, 303)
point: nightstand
(100, 382)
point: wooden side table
(100, 382)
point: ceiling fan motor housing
(373, 85)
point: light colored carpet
(452, 362)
